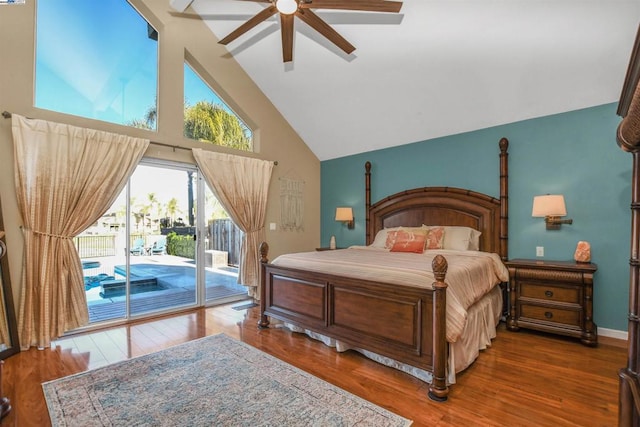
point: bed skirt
(480, 328)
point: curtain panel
(66, 178)
(241, 185)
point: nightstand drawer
(546, 292)
(549, 314)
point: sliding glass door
(154, 251)
(150, 265)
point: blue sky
(95, 59)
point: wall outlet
(272, 226)
(539, 250)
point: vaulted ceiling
(438, 68)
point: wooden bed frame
(403, 323)
(628, 136)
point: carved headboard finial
(504, 144)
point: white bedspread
(470, 275)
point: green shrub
(183, 246)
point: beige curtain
(66, 178)
(241, 184)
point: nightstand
(552, 296)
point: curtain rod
(7, 115)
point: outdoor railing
(222, 235)
(95, 246)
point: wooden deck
(114, 308)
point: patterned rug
(212, 381)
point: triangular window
(208, 119)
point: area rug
(212, 381)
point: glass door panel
(103, 251)
(140, 257)
(221, 257)
(162, 260)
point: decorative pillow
(435, 238)
(460, 238)
(386, 237)
(407, 240)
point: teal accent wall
(572, 153)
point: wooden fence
(224, 235)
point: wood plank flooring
(524, 379)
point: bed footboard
(404, 323)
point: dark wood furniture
(327, 249)
(628, 136)
(407, 324)
(552, 296)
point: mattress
(470, 276)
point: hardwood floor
(524, 379)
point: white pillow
(380, 239)
(459, 238)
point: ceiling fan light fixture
(287, 7)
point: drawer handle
(548, 294)
(548, 314)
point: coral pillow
(409, 241)
(392, 234)
(435, 238)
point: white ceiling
(440, 67)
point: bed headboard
(446, 206)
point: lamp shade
(549, 205)
(344, 214)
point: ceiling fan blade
(366, 5)
(286, 24)
(323, 28)
(261, 16)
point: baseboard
(613, 333)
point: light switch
(272, 226)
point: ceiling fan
(288, 9)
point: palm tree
(172, 209)
(206, 122)
(149, 120)
(209, 122)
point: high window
(96, 59)
(208, 119)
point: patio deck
(165, 281)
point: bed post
(263, 322)
(504, 199)
(628, 137)
(438, 389)
(367, 202)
